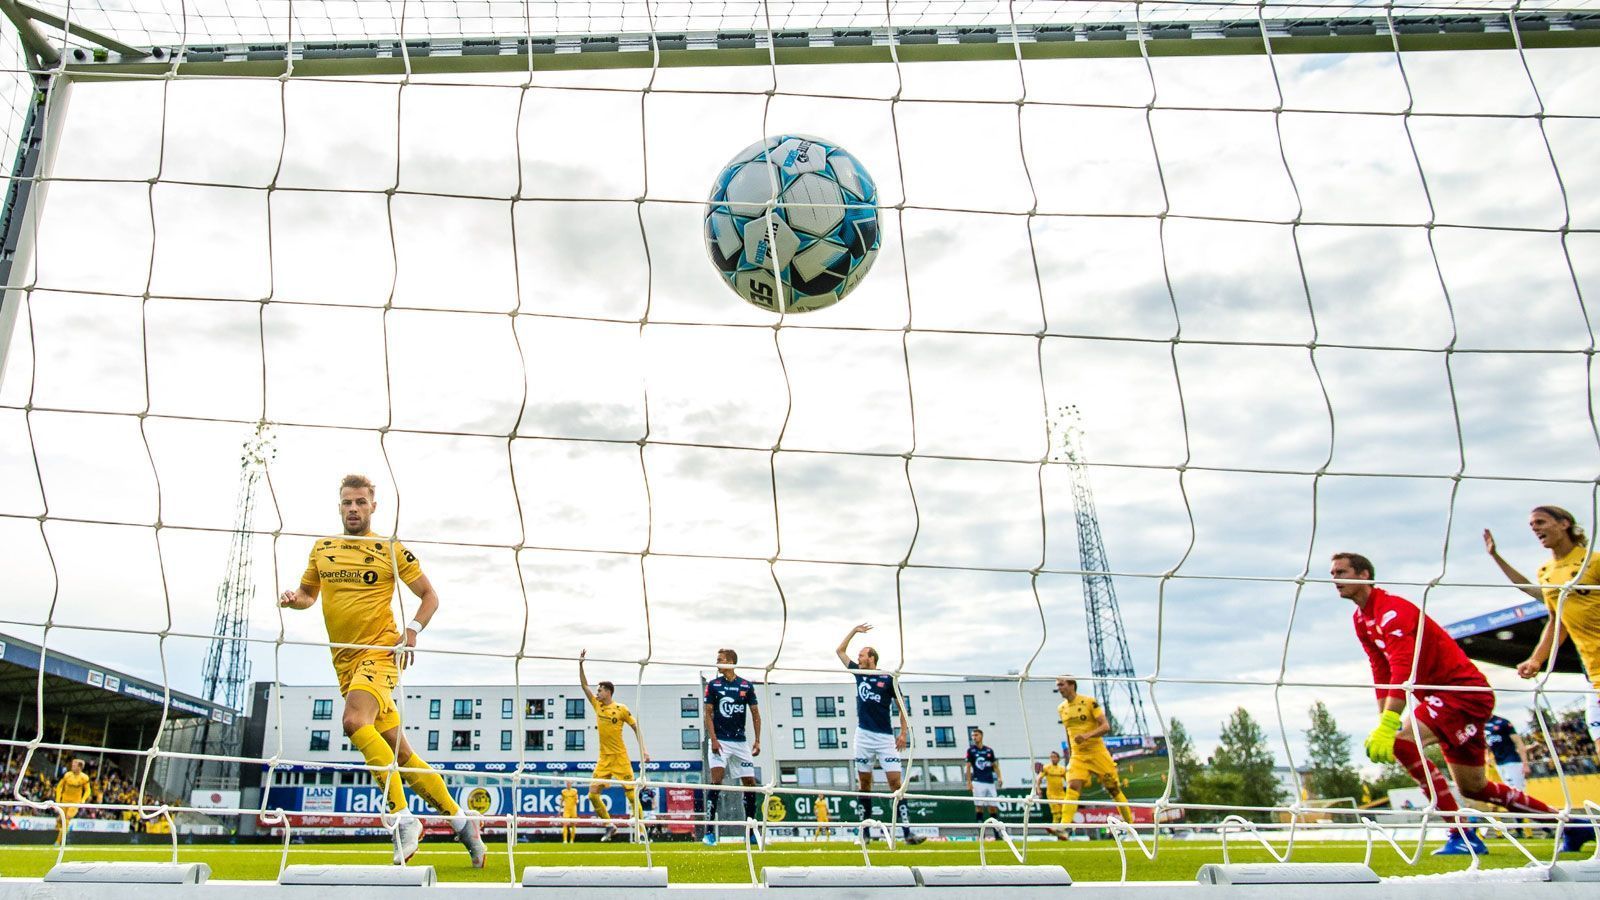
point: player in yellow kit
(1086, 726)
(822, 830)
(1570, 562)
(354, 573)
(569, 810)
(73, 788)
(1053, 778)
(613, 766)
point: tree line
(1240, 772)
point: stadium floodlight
(359, 876)
(986, 876)
(566, 877)
(129, 873)
(1286, 873)
(838, 876)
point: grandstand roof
(78, 687)
(1505, 637)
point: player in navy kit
(727, 698)
(983, 777)
(876, 741)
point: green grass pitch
(696, 863)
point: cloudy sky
(574, 424)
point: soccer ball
(800, 205)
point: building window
(433, 738)
(533, 740)
(461, 709)
(826, 708)
(797, 707)
(461, 740)
(941, 704)
(944, 736)
(688, 708)
(970, 703)
(533, 709)
(827, 738)
(799, 738)
(574, 740)
(575, 708)
(690, 739)
(505, 740)
(322, 709)
(319, 740)
(506, 708)
(433, 709)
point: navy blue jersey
(1498, 732)
(729, 700)
(981, 759)
(874, 698)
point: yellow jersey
(569, 802)
(612, 716)
(1080, 714)
(1580, 613)
(72, 788)
(822, 810)
(1055, 779)
(356, 577)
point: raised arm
(843, 650)
(1517, 578)
(583, 680)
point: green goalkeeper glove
(1380, 743)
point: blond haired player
(1570, 562)
(1087, 727)
(1053, 778)
(569, 812)
(354, 574)
(73, 788)
(613, 766)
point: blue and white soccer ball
(823, 234)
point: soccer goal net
(1134, 315)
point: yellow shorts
(1058, 808)
(70, 812)
(374, 673)
(1097, 763)
(614, 768)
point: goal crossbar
(1110, 39)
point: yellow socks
(429, 786)
(380, 757)
(1122, 807)
(1070, 807)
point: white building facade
(808, 730)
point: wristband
(414, 625)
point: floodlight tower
(1109, 656)
(227, 666)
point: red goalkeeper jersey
(1388, 632)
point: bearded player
(613, 765)
(1087, 726)
(876, 741)
(1388, 628)
(354, 574)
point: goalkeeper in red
(1453, 718)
